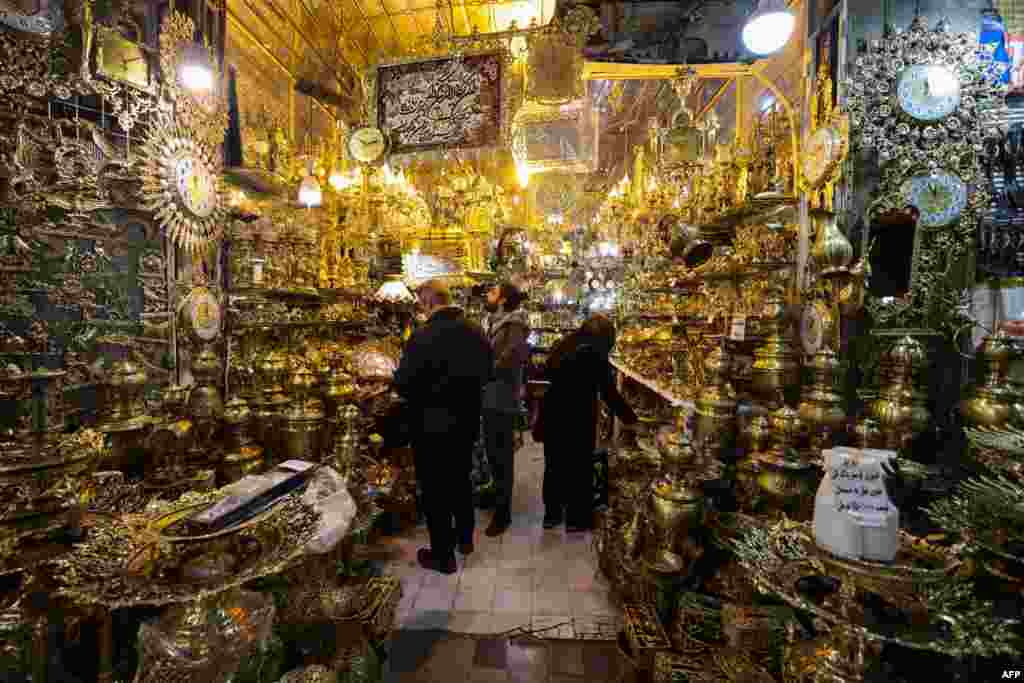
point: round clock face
(939, 197)
(367, 145)
(196, 186)
(812, 329)
(928, 92)
(823, 149)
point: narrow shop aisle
(528, 606)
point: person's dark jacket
(443, 370)
(580, 374)
(509, 335)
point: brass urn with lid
(776, 366)
(272, 368)
(715, 423)
(822, 409)
(205, 406)
(989, 402)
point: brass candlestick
(346, 442)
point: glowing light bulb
(523, 174)
(309, 192)
(769, 28)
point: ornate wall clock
(182, 184)
(925, 99)
(825, 146)
(368, 145)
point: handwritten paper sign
(858, 486)
(853, 515)
(450, 103)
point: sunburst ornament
(182, 184)
(205, 113)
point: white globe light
(769, 28)
(309, 192)
(197, 77)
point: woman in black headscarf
(580, 374)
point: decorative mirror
(924, 100)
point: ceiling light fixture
(309, 189)
(769, 28)
(195, 71)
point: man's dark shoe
(427, 560)
(552, 520)
(578, 527)
(499, 524)
(466, 548)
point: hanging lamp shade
(769, 28)
(394, 291)
(195, 71)
(310, 195)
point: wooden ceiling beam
(287, 18)
(312, 18)
(366, 20)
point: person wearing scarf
(508, 331)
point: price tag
(738, 329)
(257, 272)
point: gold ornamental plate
(824, 150)
(201, 314)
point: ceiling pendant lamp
(309, 189)
(769, 28)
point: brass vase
(272, 368)
(989, 402)
(832, 252)
(715, 427)
(822, 409)
(776, 366)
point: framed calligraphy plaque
(455, 102)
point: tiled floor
(442, 657)
(527, 580)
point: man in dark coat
(442, 373)
(508, 332)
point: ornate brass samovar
(205, 406)
(822, 409)
(895, 409)
(675, 505)
(989, 402)
(124, 388)
(786, 478)
(245, 456)
(302, 426)
(716, 407)
(776, 366)
(273, 371)
(346, 442)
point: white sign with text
(853, 515)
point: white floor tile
(547, 603)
